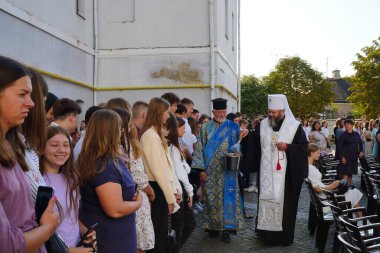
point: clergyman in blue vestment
(222, 207)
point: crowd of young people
(125, 176)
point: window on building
(81, 8)
(119, 11)
(233, 31)
(226, 17)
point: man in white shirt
(78, 146)
(188, 137)
(139, 111)
(66, 113)
(173, 100)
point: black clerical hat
(219, 104)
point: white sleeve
(315, 177)
(180, 169)
(188, 139)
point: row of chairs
(370, 175)
(349, 236)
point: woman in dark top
(107, 187)
(350, 146)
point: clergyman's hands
(282, 146)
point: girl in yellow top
(159, 170)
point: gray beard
(274, 123)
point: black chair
(359, 235)
(328, 167)
(368, 164)
(339, 206)
(323, 221)
(375, 183)
(372, 203)
(345, 241)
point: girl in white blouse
(184, 222)
(315, 176)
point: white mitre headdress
(279, 102)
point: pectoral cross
(274, 141)
(230, 189)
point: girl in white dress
(352, 195)
(144, 226)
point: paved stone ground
(245, 240)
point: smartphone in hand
(84, 238)
(44, 194)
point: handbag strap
(169, 222)
(323, 136)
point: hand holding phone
(84, 238)
(49, 217)
(44, 194)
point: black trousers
(183, 222)
(195, 182)
(159, 213)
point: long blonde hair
(156, 108)
(101, 144)
(130, 130)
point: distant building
(340, 107)
(135, 49)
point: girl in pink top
(57, 168)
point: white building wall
(227, 48)
(36, 48)
(61, 15)
(141, 43)
(226, 36)
(152, 24)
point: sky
(326, 33)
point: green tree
(253, 96)
(308, 93)
(366, 81)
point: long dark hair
(35, 126)
(314, 124)
(172, 125)
(68, 170)
(11, 147)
